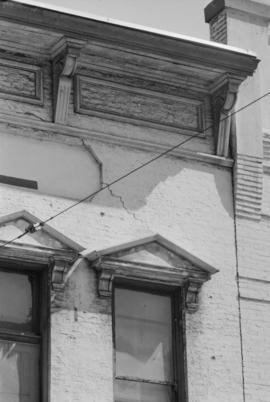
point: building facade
(247, 22)
(131, 200)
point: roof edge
(132, 26)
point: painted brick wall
(188, 203)
(247, 27)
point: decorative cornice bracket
(65, 56)
(192, 295)
(224, 96)
(59, 271)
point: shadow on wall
(81, 294)
(166, 182)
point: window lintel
(152, 260)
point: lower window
(21, 341)
(148, 342)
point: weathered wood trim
(192, 294)
(109, 270)
(184, 270)
(58, 132)
(224, 96)
(65, 55)
(126, 114)
(174, 47)
(183, 79)
(17, 66)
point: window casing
(148, 344)
(23, 334)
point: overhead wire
(37, 226)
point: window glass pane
(15, 301)
(19, 378)
(131, 391)
(143, 335)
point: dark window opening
(15, 181)
(148, 346)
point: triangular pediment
(15, 224)
(154, 250)
(152, 260)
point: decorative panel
(20, 81)
(138, 106)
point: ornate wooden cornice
(64, 61)
(224, 96)
(146, 40)
(159, 262)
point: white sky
(180, 16)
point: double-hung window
(21, 341)
(153, 283)
(148, 346)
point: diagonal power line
(34, 227)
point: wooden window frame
(42, 275)
(178, 330)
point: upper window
(149, 315)
(20, 336)
(148, 351)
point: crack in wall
(120, 198)
(36, 116)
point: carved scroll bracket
(224, 96)
(191, 282)
(65, 56)
(192, 295)
(59, 272)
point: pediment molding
(43, 249)
(47, 236)
(152, 260)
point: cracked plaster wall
(190, 204)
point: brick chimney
(235, 22)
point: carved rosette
(224, 96)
